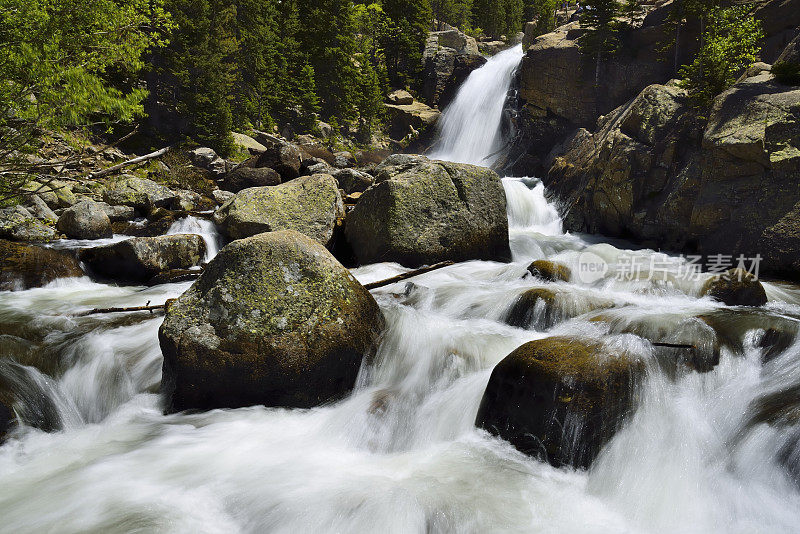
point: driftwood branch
(406, 276)
(673, 345)
(133, 161)
(147, 308)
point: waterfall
(469, 129)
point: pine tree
(601, 31)
(410, 22)
(543, 13)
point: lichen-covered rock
(221, 197)
(282, 157)
(352, 180)
(245, 142)
(26, 266)
(85, 220)
(17, 224)
(550, 271)
(141, 258)
(140, 193)
(735, 287)
(310, 204)
(422, 212)
(275, 320)
(560, 398)
(244, 177)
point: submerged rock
(542, 308)
(17, 224)
(141, 258)
(274, 319)
(550, 271)
(85, 220)
(560, 398)
(735, 287)
(310, 204)
(422, 212)
(26, 266)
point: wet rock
(774, 342)
(422, 212)
(560, 399)
(352, 181)
(550, 271)
(310, 204)
(117, 213)
(542, 308)
(141, 258)
(275, 320)
(140, 193)
(282, 157)
(85, 220)
(23, 399)
(17, 224)
(243, 177)
(735, 287)
(26, 266)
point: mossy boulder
(85, 220)
(422, 212)
(139, 193)
(275, 320)
(141, 258)
(550, 271)
(26, 266)
(560, 398)
(310, 205)
(17, 224)
(735, 287)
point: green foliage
(729, 45)
(68, 63)
(498, 17)
(787, 73)
(453, 12)
(404, 42)
(543, 13)
(601, 30)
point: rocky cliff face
(652, 172)
(560, 90)
(449, 57)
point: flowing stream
(401, 454)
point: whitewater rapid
(401, 454)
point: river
(401, 454)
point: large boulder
(310, 204)
(283, 157)
(560, 398)
(410, 119)
(422, 212)
(735, 287)
(141, 258)
(17, 224)
(140, 193)
(85, 220)
(245, 142)
(26, 266)
(652, 172)
(244, 176)
(275, 320)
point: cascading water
(469, 129)
(702, 453)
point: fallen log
(147, 308)
(132, 161)
(673, 345)
(406, 276)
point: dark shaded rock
(352, 181)
(560, 399)
(141, 258)
(282, 157)
(85, 220)
(310, 204)
(243, 177)
(550, 271)
(274, 319)
(735, 287)
(117, 213)
(27, 266)
(542, 308)
(422, 212)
